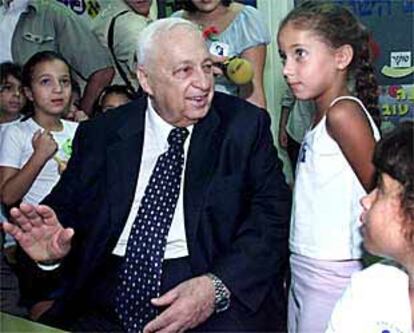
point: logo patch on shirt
(387, 327)
(302, 153)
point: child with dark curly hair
(381, 297)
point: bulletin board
(392, 25)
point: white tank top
(325, 213)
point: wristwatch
(221, 294)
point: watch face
(223, 304)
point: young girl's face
(207, 6)
(309, 64)
(113, 100)
(383, 220)
(51, 88)
(12, 99)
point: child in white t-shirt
(12, 98)
(381, 297)
(12, 101)
(34, 151)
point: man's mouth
(199, 101)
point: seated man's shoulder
(233, 107)
(115, 120)
(240, 118)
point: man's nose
(203, 80)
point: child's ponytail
(366, 85)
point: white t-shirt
(3, 126)
(16, 149)
(376, 301)
(325, 213)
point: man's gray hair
(148, 37)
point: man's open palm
(39, 232)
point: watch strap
(221, 293)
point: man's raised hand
(39, 233)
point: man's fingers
(20, 218)
(62, 243)
(65, 237)
(171, 328)
(47, 214)
(166, 299)
(169, 321)
(12, 229)
(167, 317)
(158, 324)
(33, 217)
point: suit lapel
(202, 154)
(123, 163)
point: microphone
(237, 70)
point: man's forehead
(181, 31)
(179, 39)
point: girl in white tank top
(322, 45)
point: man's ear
(344, 55)
(144, 80)
(28, 93)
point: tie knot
(177, 136)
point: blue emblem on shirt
(302, 153)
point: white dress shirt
(155, 143)
(9, 16)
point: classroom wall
(273, 12)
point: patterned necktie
(140, 279)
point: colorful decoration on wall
(397, 103)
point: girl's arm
(254, 92)
(15, 183)
(349, 127)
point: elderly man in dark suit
(173, 212)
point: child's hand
(80, 115)
(76, 115)
(62, 165)
(283, 139)
(44, 145)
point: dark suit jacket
(236, 201)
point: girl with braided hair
(323, 47)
